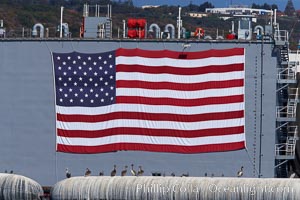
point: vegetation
(289, 8)
(20, 15)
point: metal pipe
(61, 20)
(179, 22)
(124, 28)
(108, 10)
(96, 10)
(275, 16)
(35, 32)
(110, 22)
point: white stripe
(184, 63)
(152, 140)
(150, 109)
(135, 76)
(150, 124)
(180, 94)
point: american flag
(162, 101)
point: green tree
(264, 6)
(274, 6)
(205, 5)
(289, 8)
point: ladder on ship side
(287, 100)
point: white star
(76, 95)
(105, 72)
(70, 78)
(94, 63)
(111, 98)
(64, 63)
(90, 68)
(101, 89)
(79, 67)
(71, 100)
(70, 90)
(84, 73)
(58, 58)
(92, 101)
(110, 66)
(106, 83)
(91, 90)
(106, 94)
(84, 63)
(101, 78)
(102, 100)
(65, 84)
(96, 95)
(111, 87)
(111, 77)
(100, 68)
(80, 78)
(75, 83)
(65, 73)
(59, 78)
(105, 62)
(69, 68)
(69, 58)
(78, 57)
(66, 95)
(91, 79)
(74, 72)
(81, 90)
(86, 95)
(89, 58)
(74, 61)
(60, 89)
(110, 56)
(85, 84)
(59, 68)
(81, 100)
(61, 100)
(99, 57)
(96, 84)
(95, 74)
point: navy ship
(28, 142)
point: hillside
(20, 18)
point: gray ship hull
(27, 112)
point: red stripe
(180, 55)
(150, 116)
(179, 70)
(150, 132)
(151, 147)
(180, 102)
(180, 86)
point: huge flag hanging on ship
(162, 101)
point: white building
(197, 14)
(239, 11)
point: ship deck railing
(286, 111)
(285, 150)
(288, 73)
(281, 37)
